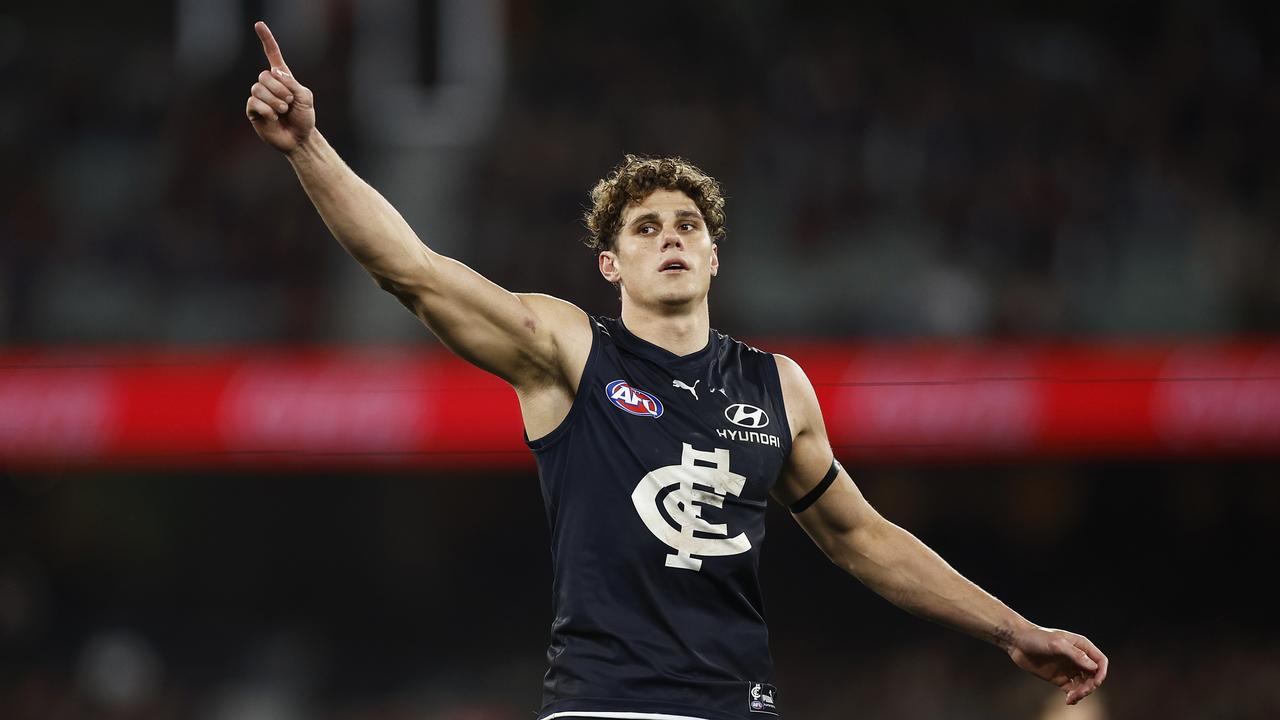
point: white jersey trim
(621, 715)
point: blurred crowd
(298, 597)
(1088, 172)
(117, 679)
(926, 171)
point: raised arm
(900, 568)
(528, 340)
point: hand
(1065, 659)
(281, 109)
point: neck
(680, 333)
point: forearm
(893, 563)
(903, 570)
(362, 221)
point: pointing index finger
(269, 46)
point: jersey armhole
(774, 380)
(579, 398)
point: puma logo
(690, 388)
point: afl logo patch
(636, 402)
(747, 416)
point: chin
(675, 301)
(679, 295)
(677, 298)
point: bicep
(517, 337)
(840, 511)
(832, 511)
(839, 520)
(811, 455)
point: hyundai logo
(747, 416)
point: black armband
(803, 503)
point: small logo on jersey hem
(633, 400)
(762, 698)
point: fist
(281, 109)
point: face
(663, 254)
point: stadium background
(920, 184)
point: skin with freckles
(663, 262)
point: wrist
(1012, 632)
(308, 149)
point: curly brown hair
(634, 180)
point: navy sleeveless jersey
(655, 487)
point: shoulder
(803, 411)
(549, 305)
(566, 325)
(559, 317)
(793, 378)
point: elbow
(410, 277)
(842, 550)
(859, 550)
(389, 284)
(404, 294)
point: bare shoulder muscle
(810, 450)
(570, 331)
(544, 404)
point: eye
(644, 229)
(688, 226)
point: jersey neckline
(659, 354)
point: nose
(671, 238)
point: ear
(715, 259)
(609, 266)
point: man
(658, 443)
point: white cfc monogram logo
(678, 489)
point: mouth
(673, 266)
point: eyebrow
(647, 217)
(653, 217)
